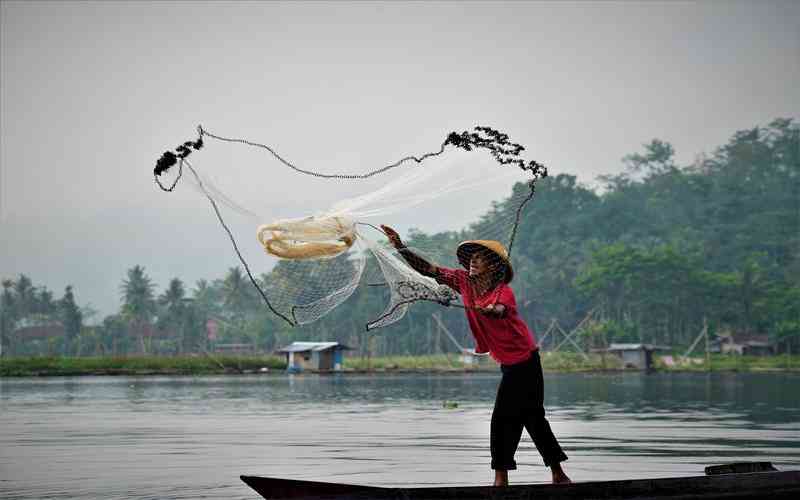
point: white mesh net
(310, 235)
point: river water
(191, 437)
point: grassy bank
(388, 363)
(137, 365)
(562, 362)
(551, 361)
(734, 363)
(210, 365)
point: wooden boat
(731, 481)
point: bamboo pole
(568, 337)
(546, 333)
(708, 354)
(696, 340)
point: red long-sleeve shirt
(507, 338)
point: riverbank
(557, 362)
(732, 363)
(218, 365)
(138, 365)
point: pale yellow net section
(307, 238)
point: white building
(317, 356)
(636, 355)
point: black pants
(520, 403)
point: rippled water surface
(191, 437)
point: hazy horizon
(91, 94)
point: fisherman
(499, 330)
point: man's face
(479, 264)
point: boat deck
(761, 485)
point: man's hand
(394, 238)
(484, 310)
(494, 310)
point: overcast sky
(93, 92)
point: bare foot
(559, 476)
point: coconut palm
(44, 304)
(138, 303)
(173, 309)
(235, 291)
(205, 296)
(71, 318)
(238, 299)
(25, 295)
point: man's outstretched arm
(416, 262)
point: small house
(748, 345)
(638, 356)
(315, 356)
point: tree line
(655, 253)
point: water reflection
(191, 437)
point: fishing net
(313, 237)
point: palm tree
(44, 303)
(206, 298)
(235, 297)
(71, 318)
(8, 312)
(138, 303)
(25, 296)
(235, 288)
(173, 309)
(205, 304)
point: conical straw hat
(467, 248)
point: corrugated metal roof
(624, 347)
(310, 346)
(636, 347)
